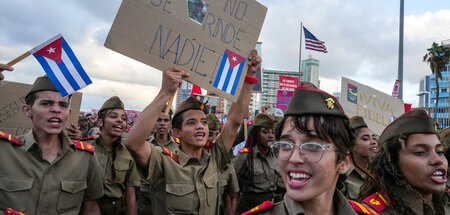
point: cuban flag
(229, 73)
(61, 65)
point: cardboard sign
(378, 108)
(287, 83)
(12, 119)
(283, 99)
(210, 39)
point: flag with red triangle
(61, 65)
(196, 90)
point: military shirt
(291, 207)
(189, 186)
(125, 170)
(266, 173)
(32, 185)
(353, 184)
(170, 144)
(417, 206)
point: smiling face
(423, 164)
(309, 181)
(366, 145)
(194, 128)
(49, 112)
(114, 122)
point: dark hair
(245, 172)
(177, 120)
(31, 98)
(101, 116)
(385, 175)
(327, 128)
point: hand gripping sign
(210, 39)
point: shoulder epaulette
(10, 138)
(12, 212)
(361, 209)
(244, 150)
(208, 145)
(84, 146)
(87, 138)
(170, 153)
(262, 207)
(376, 201)
(176, 140)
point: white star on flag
(234, 58)
(51, 50)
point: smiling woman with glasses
(312, 147)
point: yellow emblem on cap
(202, 106)
(330, 103)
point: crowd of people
(314, 160)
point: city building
(310, 71)
(271, 85)
(424, 92)
(183, 92)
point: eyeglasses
(311, 152)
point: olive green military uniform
(32, 185)
(115, 181)
(291, 207)
(352, 184)
(228, 185)
(185, 185)
(261, 184)
(144, 202)
(417, 206)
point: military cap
(412, 122)
(308, 99)
(444, 136)
(112, 103)
(357, 122)
(190, 104)
(42, 83)
(263, 120)
(213, 122)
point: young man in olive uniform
(364, 149)
(187, 180)
(160, 139)
(44, 172)
(229, 185)
(119, 172)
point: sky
(361, 38)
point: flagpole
(21, 57)
(300, 54)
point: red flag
(196, 89)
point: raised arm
(238, 109)
(135, 141)
(4, 67)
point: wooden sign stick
(166, 112)
(245, 129)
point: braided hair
(247, 168)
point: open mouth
(200, 135)
(439, 176)
(118, 128)
(374, 149)
(298, 179)
(55, 121)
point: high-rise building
(424, 92)
(310, 71)
(183, 92)
(271, 85)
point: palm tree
(437, 57)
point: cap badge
(202, 106)
(330, 103)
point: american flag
(312, 43)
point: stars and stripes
(312, 43)
(229, 73)
(61, 65)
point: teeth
(438, 173)
(299, 176)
